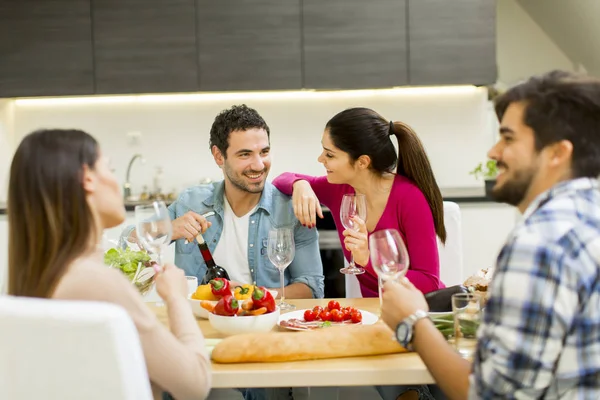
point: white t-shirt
(231, 252)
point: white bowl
(197, 308)
(236, 324)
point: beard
(514, 190)
(238, 181)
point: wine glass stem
(282, 287)
(352, 265)
(159, 258)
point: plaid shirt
(540, 336)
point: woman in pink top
(61, 195)
(359, 157)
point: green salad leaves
(126, 260)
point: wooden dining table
(393, 369)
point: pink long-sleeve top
(407, 211)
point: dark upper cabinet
(249, 44)
(351, 44)
(45, 48)
(145, 46)
(452, 42)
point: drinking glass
(153, 228)
(353, 205)
(466, 308)
(281, 250)
(389, 256)
(192, 284)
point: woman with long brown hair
(400, 190)
(61, 196)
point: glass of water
(466, 308)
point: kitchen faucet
(127, 185)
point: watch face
(403, 333)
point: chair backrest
(69, 350)
(450, 254)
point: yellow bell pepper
(243, 292)
(204, 292)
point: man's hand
(189, 225)
(400, 299)
(356, 242)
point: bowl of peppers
(231, 316)
(216, 289)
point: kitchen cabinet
(45, 48)
(145, 46)
(452, 42)
(249, 44)
(352, 44)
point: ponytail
(414, 165)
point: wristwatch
(404, 330)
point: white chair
(450, 254)
(69, 350)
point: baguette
(332, 342)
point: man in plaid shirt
(540, 335)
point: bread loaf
(332, 342)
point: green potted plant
(488, 172)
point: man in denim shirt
(243, 208)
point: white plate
(368, 318)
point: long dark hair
(362, 131)
(49, 221)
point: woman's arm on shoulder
(324, 190)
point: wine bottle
(212, 269)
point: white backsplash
(453, 123)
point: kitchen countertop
(457, 195)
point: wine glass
(153, 227)
(388, 253)
(281, 250)
(353, 205)
(389, 257)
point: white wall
(3, 254)
(573, 26)
(6, 143)
(523, 48)
(452, 122)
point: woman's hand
(306, 204)
(170, 282)
(356, 242)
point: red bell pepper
(261, 297)
(227, 306)
(220, 287)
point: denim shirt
(274, 211)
